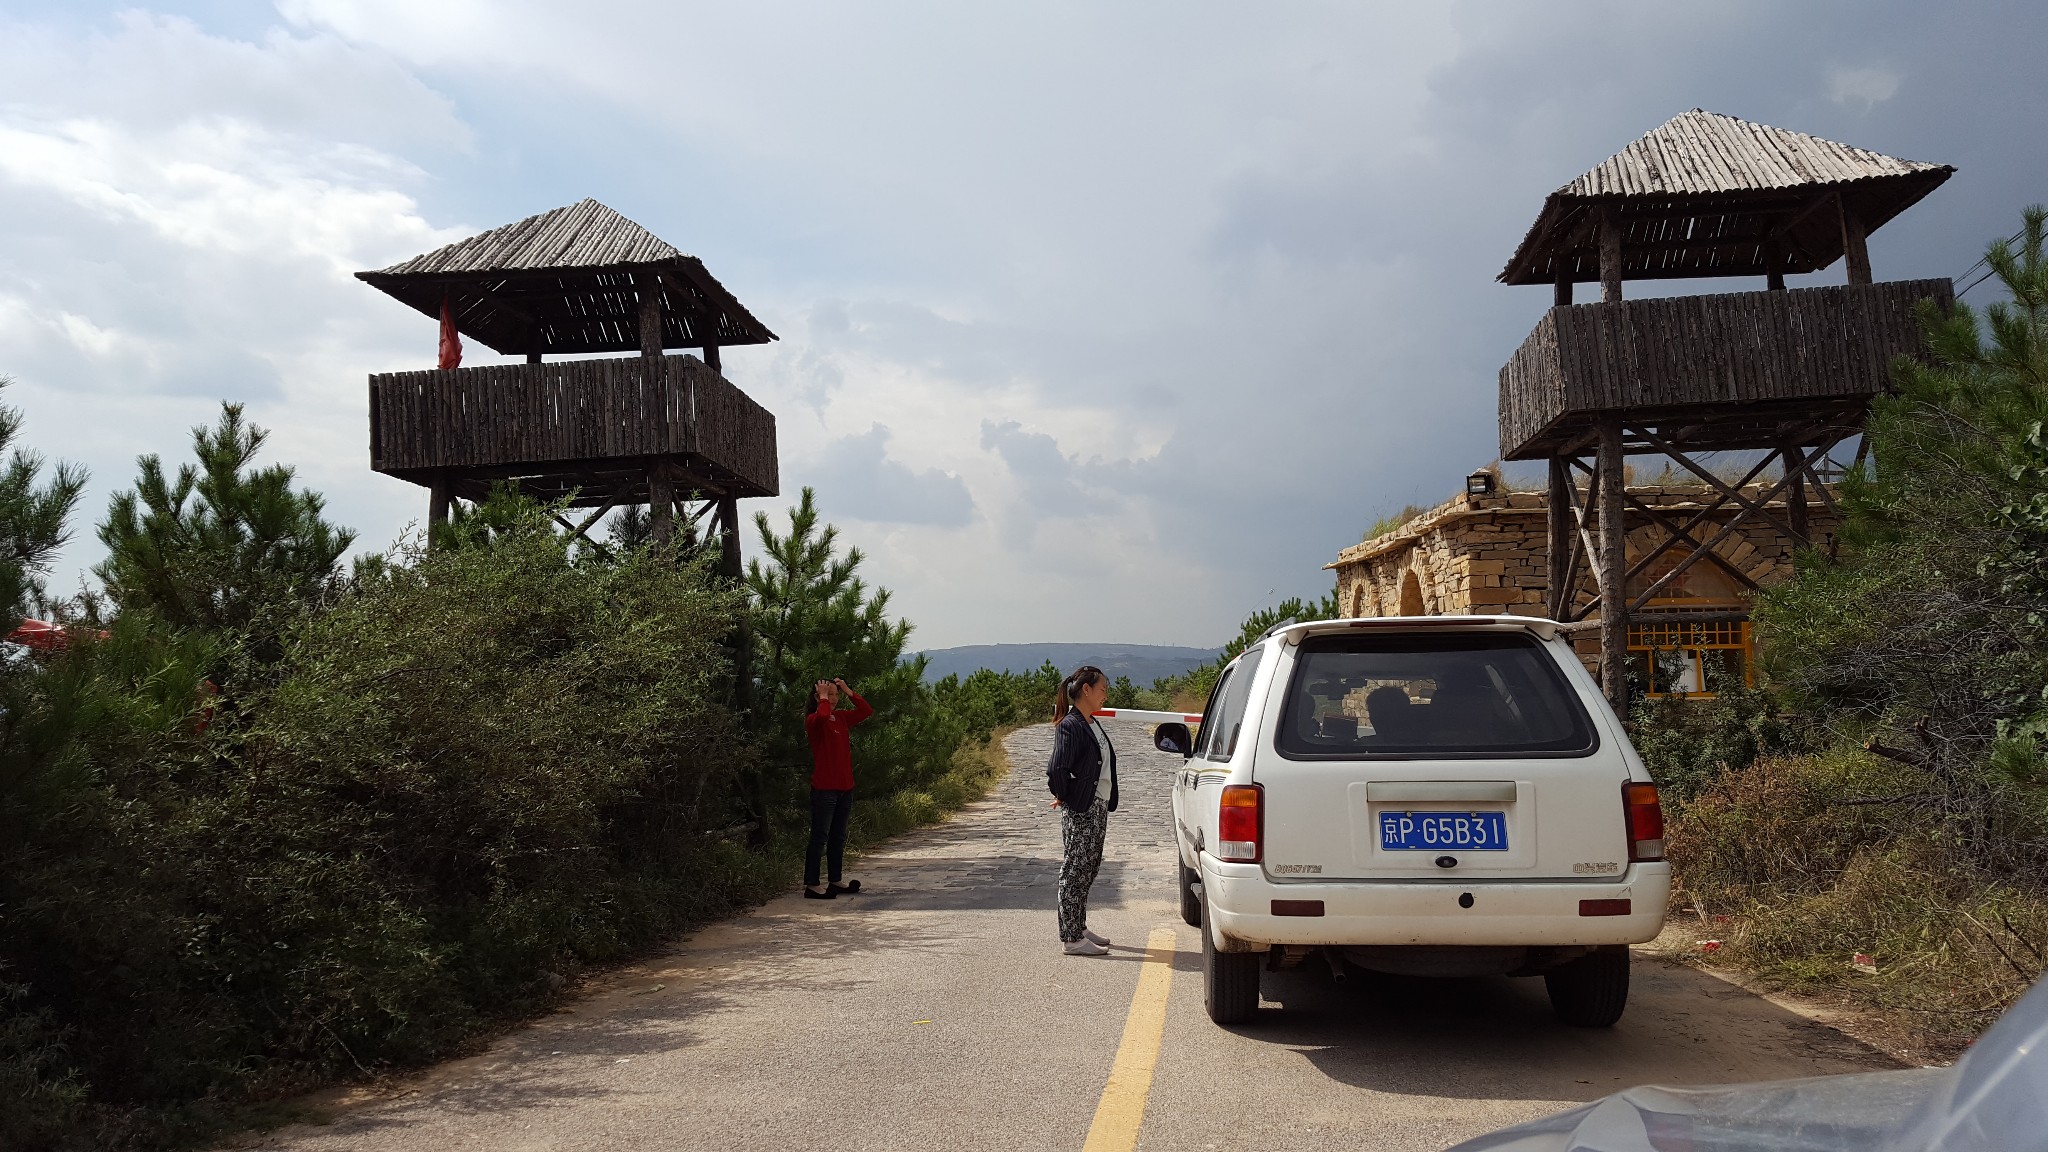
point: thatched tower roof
(1711, 195)
(568, 281)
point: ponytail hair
(1079, 678)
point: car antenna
(1287, 623)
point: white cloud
(182, 215)
(873, 487)
(1868, 87)
(1220, 276)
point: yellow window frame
(1693, 638)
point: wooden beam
(1679, 535)
(1613, 561)
(438, 506)
(729, 537)
(1723, 534)
(1563, 500)
(1580, 233)
(694, 318)
(1855, 245)
(661, 505)
(1561, 288)
(1774, 266)
(649, 286)
(1684, 461)
(1680, 616)
(579, 532)
(1795, 496)
(743, 638)
(1785, 227)
(1704, 515)
(1610, 257)
(610, 503)
(1585, 551)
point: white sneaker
(1085, 947)
(1089, 934)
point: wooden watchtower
(602, 431)
(1790, 372)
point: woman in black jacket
(1081, 753)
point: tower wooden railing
(1748, 351)
(571, 414)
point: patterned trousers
(1081, 834)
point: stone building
(1486, 554)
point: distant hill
(1143, 663)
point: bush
(1814, 860)
(1689, 743)
(477, 771)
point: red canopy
(38, 635)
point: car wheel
(1230, 980)
(1190, 904)
(1590, 992)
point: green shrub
(1688, 743)
(474, 773)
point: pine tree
(814, 618)
(1929, 629)
(226, 547)
(32, 516)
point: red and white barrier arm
(1146, 716)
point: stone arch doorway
(1411, 595)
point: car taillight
(1645, 821)
(1240, 823)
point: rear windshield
(1422, 695)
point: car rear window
(1410, 695)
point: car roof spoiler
(1543, 628)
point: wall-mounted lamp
(1479, 483)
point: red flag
(451, 342)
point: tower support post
(1613, 562)
(1562, 512)
(1855, 243)
(661, 505)
(1610, 258)
(743, 636)
(439, 502)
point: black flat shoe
(849, 887)
(827, 894)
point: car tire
(1190, 903)
(1230, 980)
(1592, 991)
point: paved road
(937, 1012)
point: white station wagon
(1434, 796)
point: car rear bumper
(1241, 906)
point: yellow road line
(1122, 1108)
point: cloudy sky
(1104, 321)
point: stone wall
(1483, 555)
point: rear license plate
(1438, 831)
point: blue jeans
(829, 809)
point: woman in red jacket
(831, 782)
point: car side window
(1230, 707)
(1209, 729)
